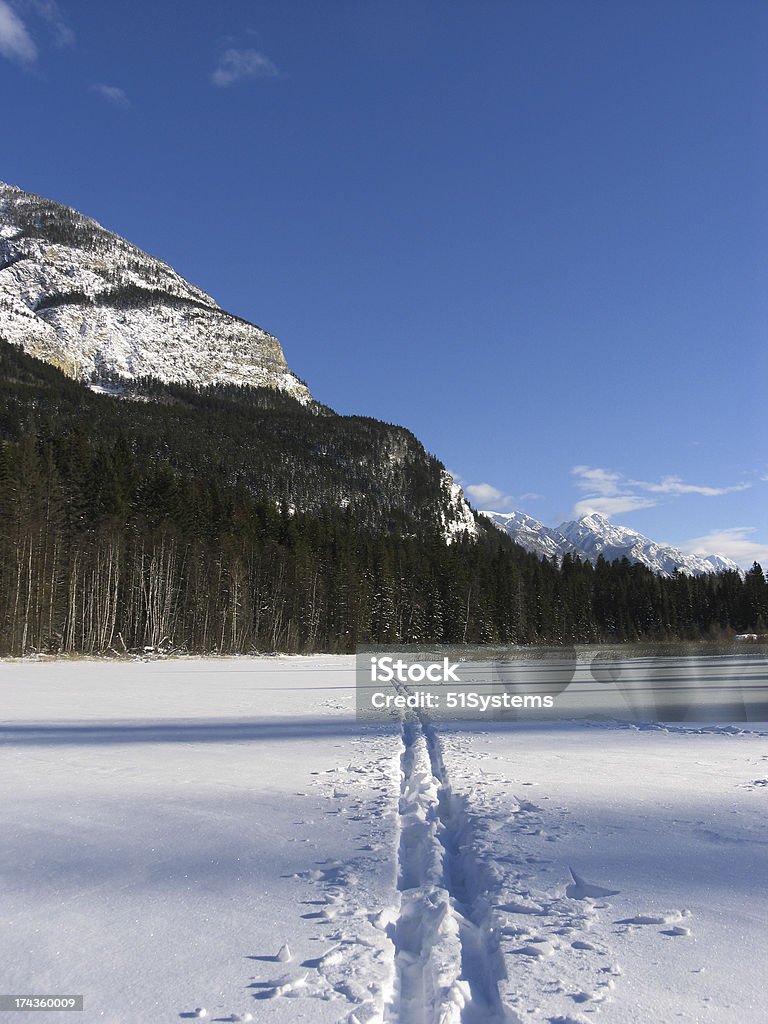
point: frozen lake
(221, 835)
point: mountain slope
(303, 457)
(204, 513)
(237, 519)
(530, 534)
(594, 535)
(87, 301)
(99, 309)
(228, 518)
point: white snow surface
(458, 517)
(95, 304)
(594, 535)
(219, 837)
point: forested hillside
(234, 520)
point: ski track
(426, 884)
(484, 927)
(447, 958)
(478, 933)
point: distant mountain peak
(594, 518)
(593, 535)
(85, 299)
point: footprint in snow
(588, 997)
(580, 889)
(537, 951)
(669, 918)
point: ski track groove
(447, 959)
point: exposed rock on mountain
(85, 300)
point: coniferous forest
(236, 520)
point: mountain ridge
(93, 304)
(593, 535)
(105, 313)
(238, 514)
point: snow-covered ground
(223, 835)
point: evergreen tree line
(127, 525)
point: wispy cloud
(674, 485)
(15, 41)
(612, 493)
(601, 481)
(237, 65)
(612, 506)
(50, 12)
(113, 94)
(606, 492)
(735, 542)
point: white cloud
(15, 41)
(607, 493)
(489, 497)
(486, 496)
(612, 506)
(601, 481)
(113, 94)
(674, 485)
(612, 493)
(236, 65)
(51, 14)
(483, 492)
(734, 542)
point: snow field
(625, 868)
(213, 839)
(168, 828)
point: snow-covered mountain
(530, 533)
(458, 519)
(84, 299)
(594, 535)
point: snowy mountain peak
(594, 535)
(595, 520)
(80, 297)
(529, 533)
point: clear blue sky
(534, 232)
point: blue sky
(535, 233)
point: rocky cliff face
(87, 301)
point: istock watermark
(641, 683)
(387, 669)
